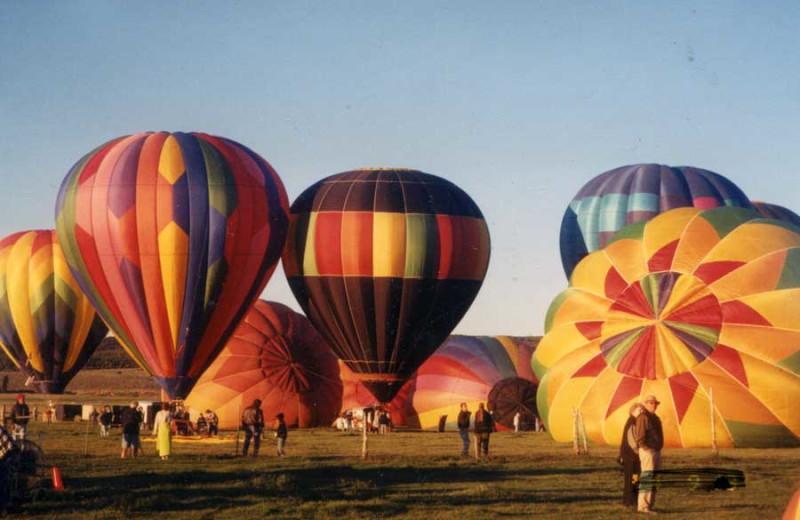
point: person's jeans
(251, 432)
(465, 441)
(651, 462)
(481, 445)
(281, 444)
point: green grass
(410, 475)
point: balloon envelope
(692, 303)
(793, 509)
(48, 327)
(276, 356)
(637, 193)
(172, 237)
(767, 210)
(385, 263)
(468, 369)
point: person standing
(20, 415)
(649, 437)
(281, 432)
(463, 429)
(629, 458)
(516, 422)
(253, 425)
(484, 426)
(213, 423)
(162, 431)
(129, 419)
(383, 422)
(105, 421)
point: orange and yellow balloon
(688, 304)
(48, 328)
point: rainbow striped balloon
(637, 193)
(173, 237)
(48, 328)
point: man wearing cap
(649, 437)
(20, 414)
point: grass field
(409, 475)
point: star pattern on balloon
(691, 303)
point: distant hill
(110, 354)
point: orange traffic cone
(58, 485)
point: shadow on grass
(380, 487)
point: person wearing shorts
(129, 419)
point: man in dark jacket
(129, 420)
(463, 429)
(484, 426)
(253, 425)
(649, 436)
(20, 415)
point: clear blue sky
(519, 103)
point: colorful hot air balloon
(276, 356)
(637, 193)
(767, 210)
(385, 263)
(47, 326)
(689, 303)
(356, 396)
(172, 237)
(471, 369)
(793, 510)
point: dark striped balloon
(637, 193)
(774, 211)
(385, 263)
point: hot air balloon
(385, 263)
(767, 210)
(47, 326)
(356, 396)
(689, 305)
(637, 193)
(475, 369)
(172, 237)
(793, 510)
(276, 356)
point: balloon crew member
(105, 421)
(463, 429)
(484, 426)
(649, 437)
(129, 419)
(629, 458)
(213, 423)
(253, 425)
(281, 432)
(20, 415)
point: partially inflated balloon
(690, 304)
(470, 369)
(793, 509)
(385, 263)
(276, 356)
(172, 237)
(48, 327)
(637, 193)
(767, 210)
